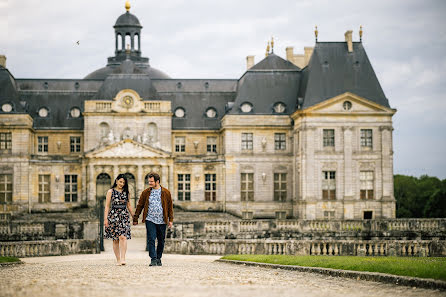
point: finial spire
(315, 32)
(272, 44)
(127, 5)
(360, 33)
(267, 50)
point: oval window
(179, 113)
(75, 112)
(43, 112)
(246, 107)
(211, 113)
(7, 107)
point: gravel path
(180, 275)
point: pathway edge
(359, 275)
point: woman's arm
(107, 207)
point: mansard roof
(333, 70)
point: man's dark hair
(155, 176)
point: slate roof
(8, 92)
(127, 19)
(332, 70)
(273, 80)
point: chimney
(3, 61)
(348, 39)
(249, 62)
(308, 50)
(290, 53)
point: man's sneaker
(159, 262)
(153, 262)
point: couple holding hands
(156, 204)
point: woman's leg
(116, 250)
(123, 247)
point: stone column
(115, 172)
(165, 175)
(84, 191)
(139, 181)
(348, 165)
(91, 188)
(386, 161)
(132, 36)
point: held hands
(106, 223)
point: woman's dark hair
(125, 189)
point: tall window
(279, 186)
(44, 188)
(5, 188)
(75, 144)
(279, 141)
(329, 138)
(210, 187)
(42, 144)
(329, 185)
(212, 145)
(247, 187)
(366, 180)
(246, 141)
(70, 188)
(366, 138)
(5, 141)
(183, 187)
(180, 144)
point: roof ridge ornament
(360, 33)
(267, 50)
(127, 5)
(316, 32)
(272, 45)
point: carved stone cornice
(388, 128)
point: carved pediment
(349, 103)
(127, 149)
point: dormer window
(75, 112)
(279, 107)
(179, 112)
(347, 105)
(211, 113)
(43, 112)
(246, 107)
(7, 107)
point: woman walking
(116, 217)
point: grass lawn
(8, 259)
(424, 267)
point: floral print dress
(118, 217)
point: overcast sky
(405, 41)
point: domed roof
(104, 72)
(127, 19)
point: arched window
(103, 183)
(105, 129)
(137, 41)
(152, 132)
(119, 37)
(127, 41)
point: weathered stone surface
(96, 275)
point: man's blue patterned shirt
(155, 214)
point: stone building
(308, 137)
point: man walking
(158, 213)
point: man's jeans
(155, 231)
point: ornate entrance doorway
(132, 189)
(103, 183)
